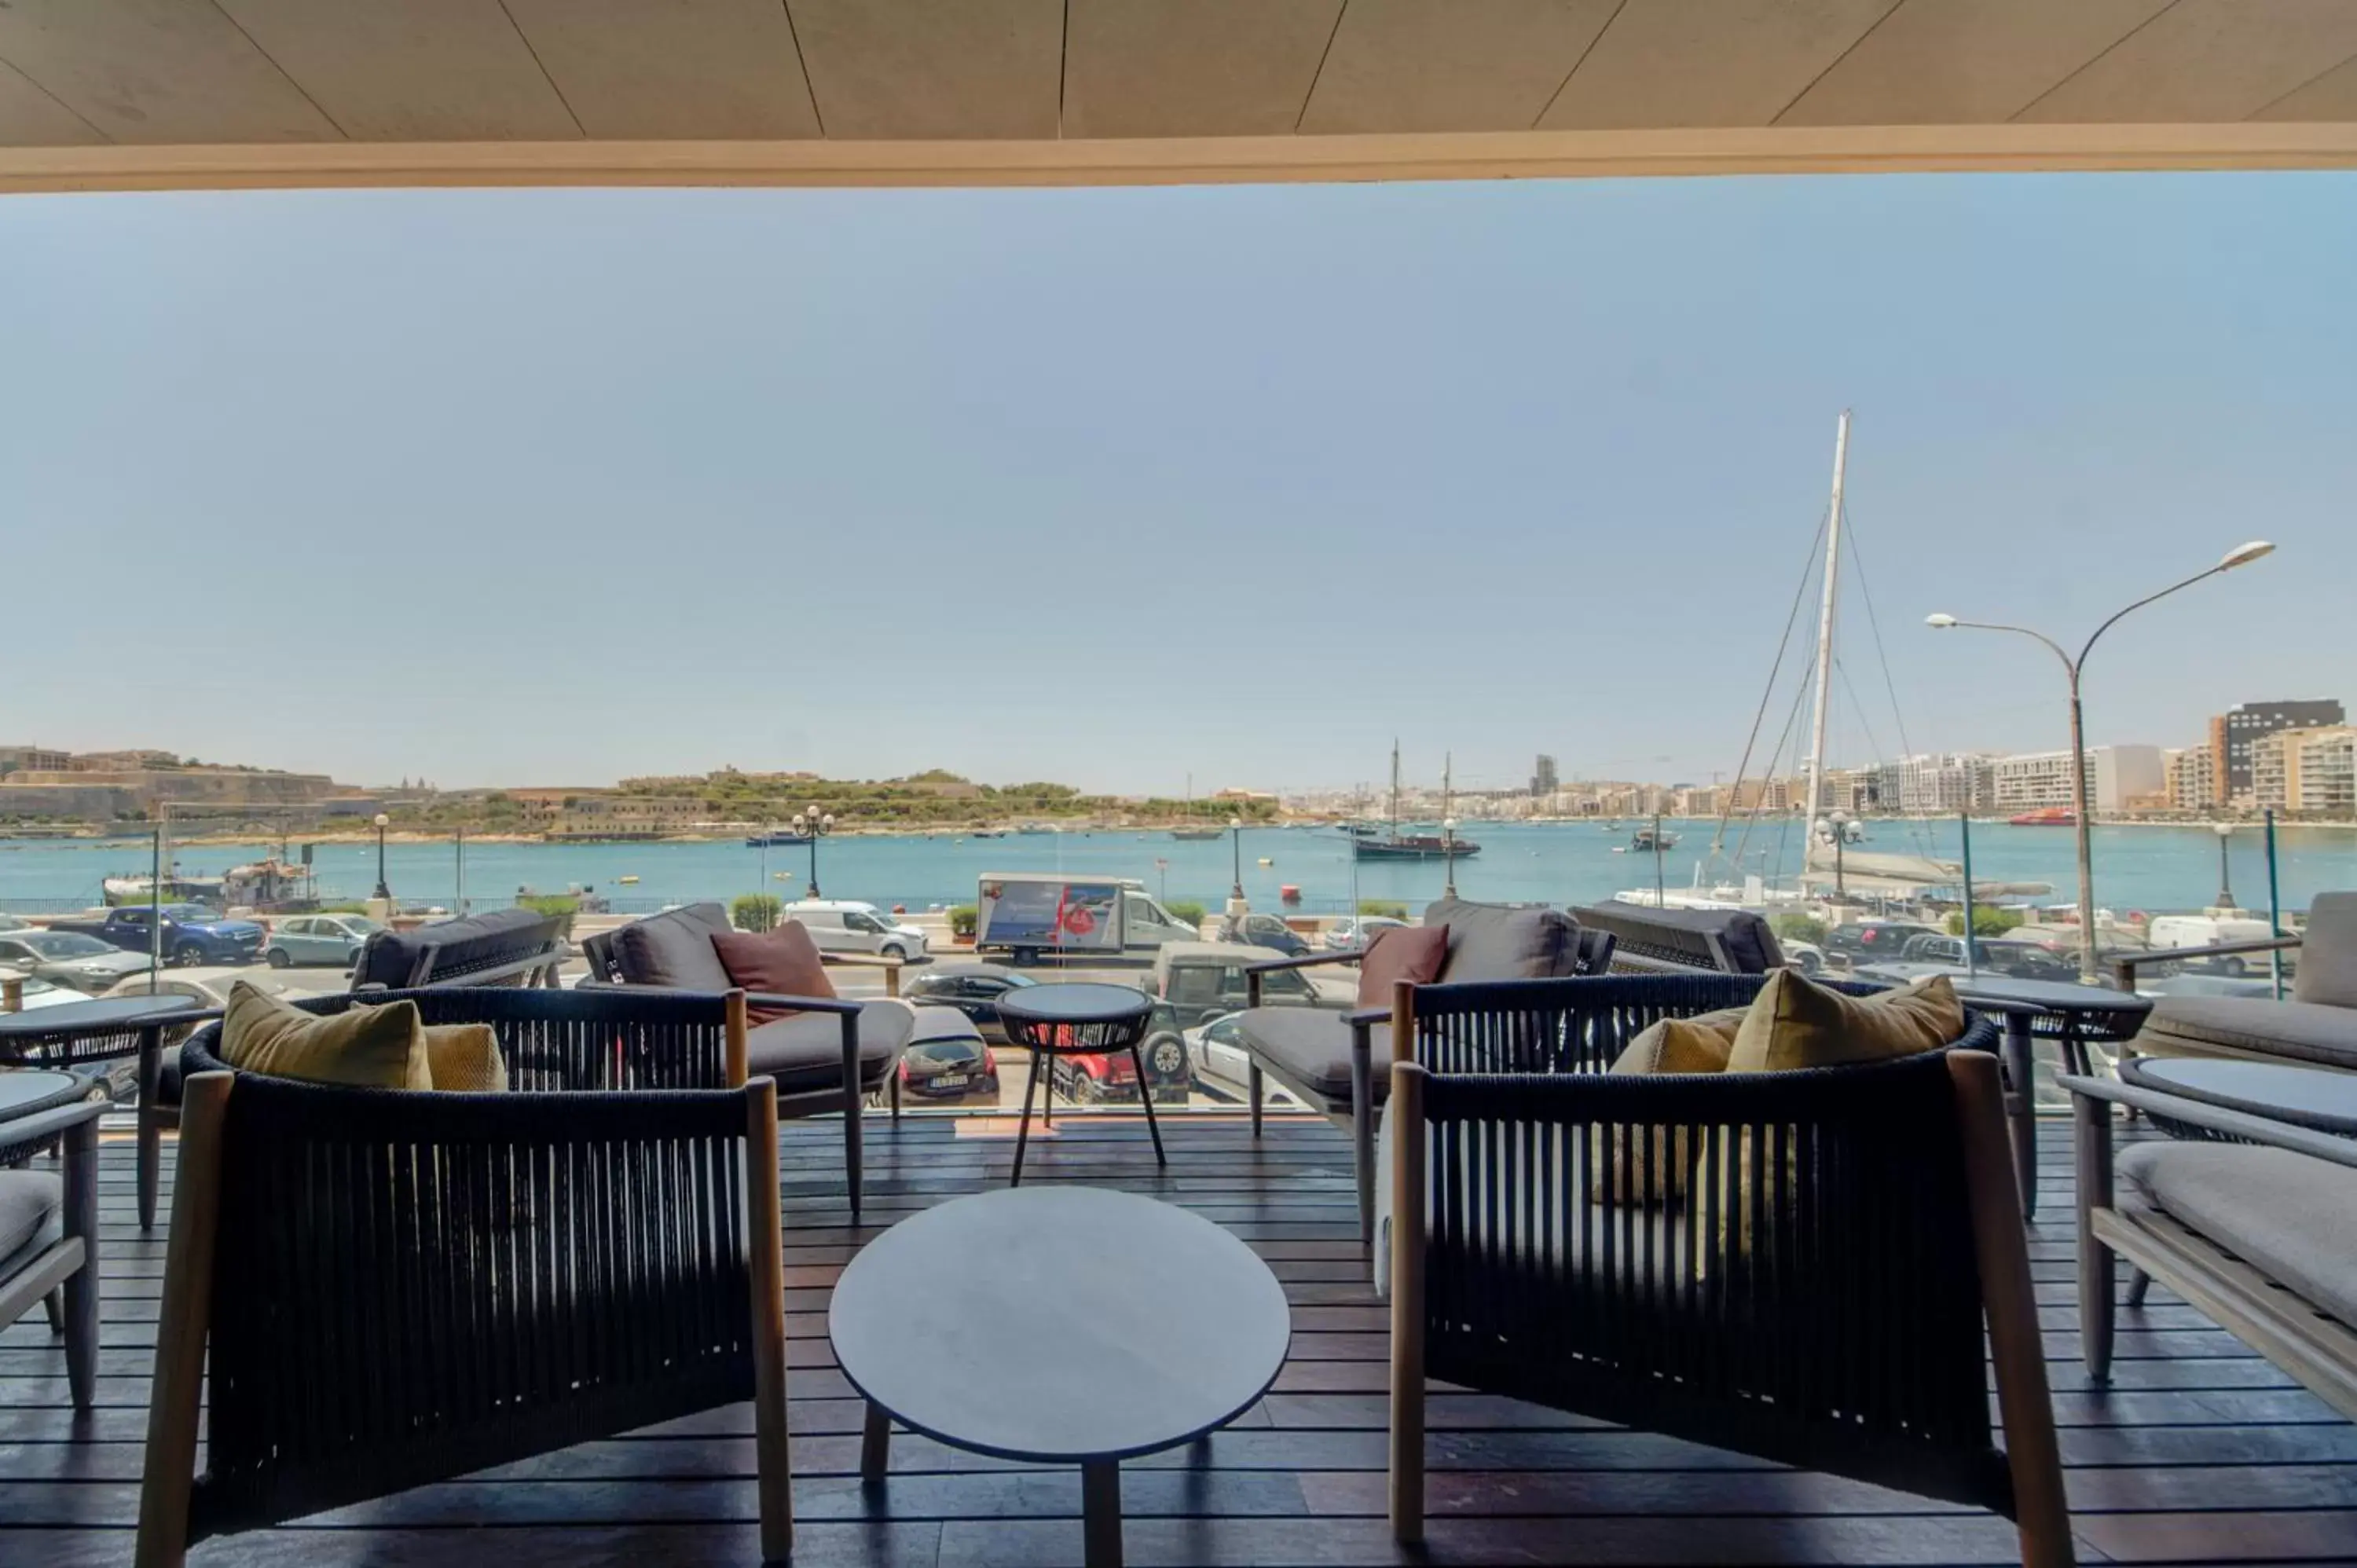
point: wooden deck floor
(2201, 1452)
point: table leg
(2022, 1109)
(1146, 1095)
(151, 1126)
(1101, 1513)
(874, 1446)
(1023, 1132)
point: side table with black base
(1076, 1019)
(1162, 1326)
(2073, 1017)
(79, 1033)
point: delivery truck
(1029, 914)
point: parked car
(14, 923)
(209, 986)
(1266, 931)
(1203, 980)
(1216, 1059)
(1164, 1050)
(949, 1070)
(1087, 1079)
(191, 933)
(973, 989)
(2027, 959)
(1864, 941)
(1352, 932)
(318, 939)
(839, 925)
(1806, 957)
(69, 959)
(2203, 930)
(38, 993)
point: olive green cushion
(1796, 1023)
(364, 1048)
(464, 1058)
(1649, 1164)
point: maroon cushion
(783, 962)
(1413, 953)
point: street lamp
(815, 825)
(1449, 856)
(383, 892)
(1838, 823)
(1236, 850)
(2241, 555)
(2224, 830)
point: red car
(1088, 1080)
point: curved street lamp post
(383, 892)
(2082, 811)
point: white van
(2206, 930)
(839, 925)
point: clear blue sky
(1113, 485)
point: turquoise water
(2151, 868)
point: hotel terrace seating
(2316, 1027)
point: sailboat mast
(1395, 789)
(1825, 643)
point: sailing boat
(1194, 833)
(1397, 846)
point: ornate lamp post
(1236, 853)
(1449, 856)
(815, 824)
(382, 822)
(2241, 555)
(2225, 831)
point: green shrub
(1384, 907)
(1987, 921)
(755, 911)
(565, 905)
(962, 918)
(1185, 910)
(1797, 926)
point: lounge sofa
(1659, 942)
(2316, 1027)
(2252, 1221)
(830, 1055)
(1339, 1065)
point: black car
(1863, 941)
(949, 1070)
(973, 989)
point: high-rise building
(2236, 731)
(1543, 779)
(2303, 769)
(1943, 783)
(2119, 779)
(2193, 780)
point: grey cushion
(1683, 936)
(2328, 952)
(30, 1202)
(1503, 941)
(805, 1052)
(2305, 1031)
(2292, 1217)
(1311, 1046)
(674, 949)
(479, 941)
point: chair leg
(1023, 1131)
(1252, 1084)
(895, 1076)
(81, 1290)
(855, 1110)
(1146, 1098)
(2097, 1274)
(2139, 1282)
(54, 1304)
(1362, 1138)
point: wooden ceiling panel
(664, 69)
(1974, 61)
(1449, 65)
(31, 118)
(414, 70)
(1728, 62)
(895, 69)
(2204, 61)
(1205, 67)
(156, 71)
(2330, 97)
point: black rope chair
(395, 1288)
(1796, 1265)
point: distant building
(629, 816)
(1941, 783)
(2236, 731)
(2193, 780)
(2119, 779)
(1545, 780)
(2307, 770)
(32, 758)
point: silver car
(318, 939)
(69, 958)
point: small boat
(1192, 834)
(2046, 817)
(630, 881)
(1360, 830)
(1398, 845)
(1647, 840)
(775, 841)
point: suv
(1266, 931)
(1863, 941)
(1203, 980)
(838, 925)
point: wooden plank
(934, 68)
(667, 69)
(156, 71)
(1408, 65)
(1221, 68)
(2205, 61)
(1935, 61)
(1736, 62)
